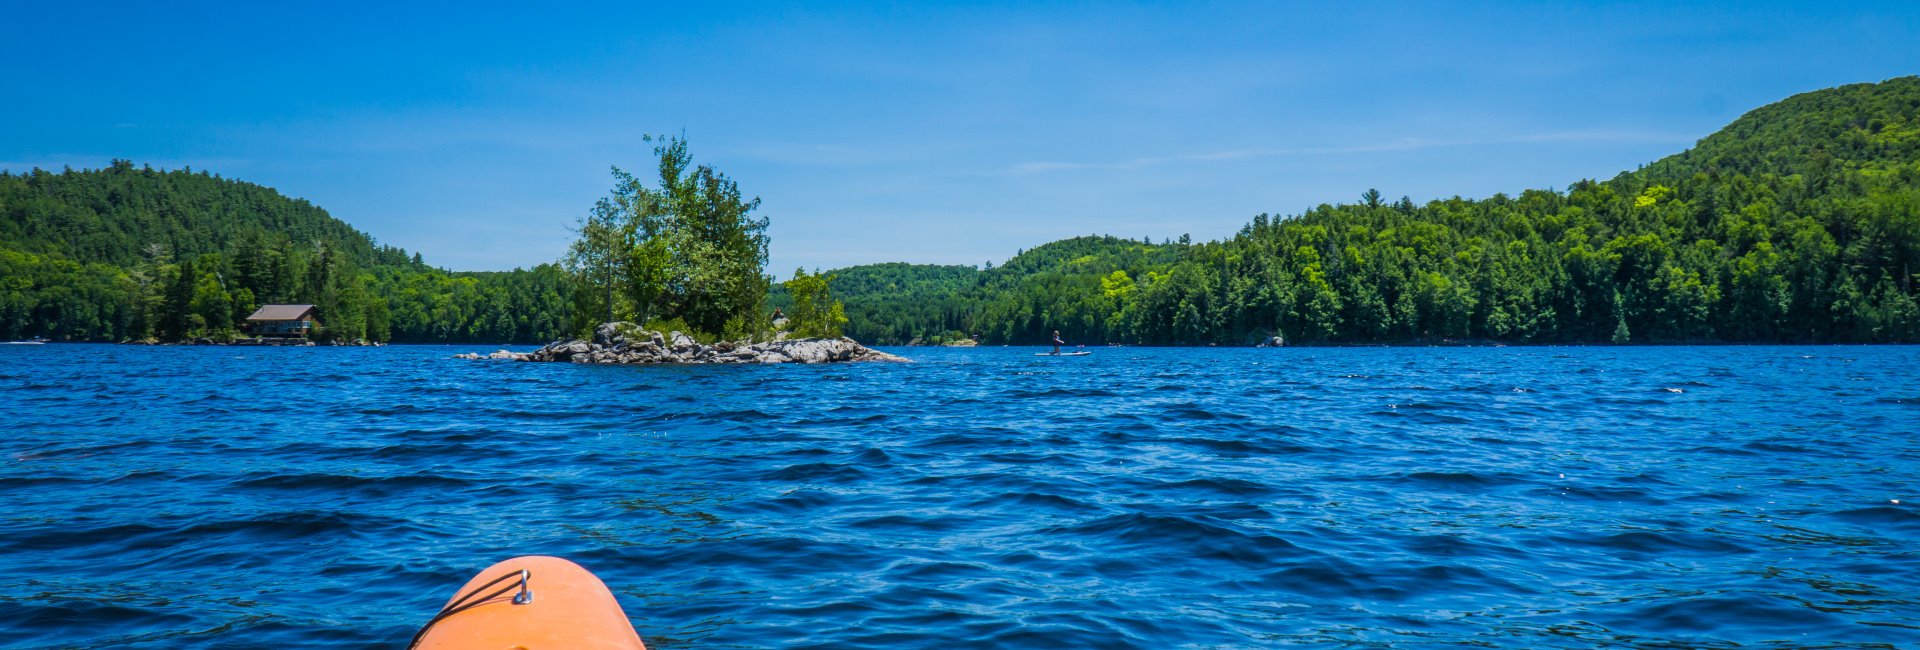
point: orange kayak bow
(531, 603)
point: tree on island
(686, 252)
(815, 313)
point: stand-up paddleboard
(1062, 354)
(534, 603)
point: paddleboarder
(1057, 342)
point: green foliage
(687, 249)
(815, 314)
(58, 298)
(531, 305)
(895, 303)
(1064, 286)
(1798, 222)
(123, 253)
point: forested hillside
(894, 303)
(131, 253)
(1799, 222)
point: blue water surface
(1410, 497)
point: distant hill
(894, 303)
(127, 252)
(120, 214)
(1852, 127)
(1800, 221)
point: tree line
(1800, 222)
(125, 253)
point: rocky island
(628, 343)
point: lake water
(1511, 497)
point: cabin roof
(282, 312)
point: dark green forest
(898, 302)
(1798, 222)
(126, 253)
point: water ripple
(1515, 497)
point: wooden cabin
(283, 321)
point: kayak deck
(558, 605)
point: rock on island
(625, 342)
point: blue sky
(938, 133)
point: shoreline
(624, 343)
(497, 344)
(258, 343)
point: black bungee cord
(461, 604)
